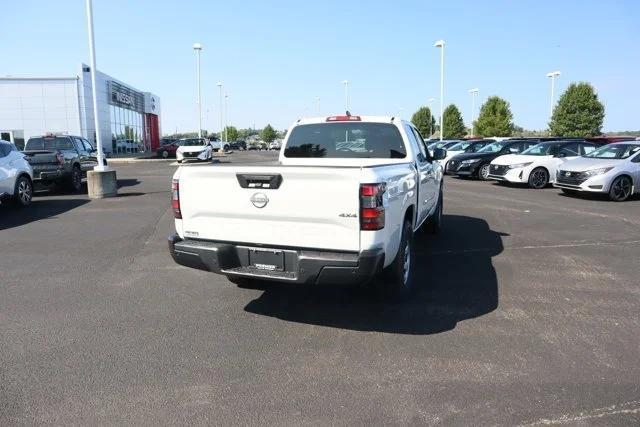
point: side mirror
(561, 154)
(513, 150)
(439, 154)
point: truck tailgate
(313, 207)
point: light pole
(552, 75)
(346, 94)
(226, 117)
(440, 44)
(473, 93)
(198, 48)
(318, 104)
(100, 167)
(221, 119)
(431, 116)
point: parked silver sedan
(613, 169)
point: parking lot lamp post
(440, 44)
(226, 116)
(431, 100)
(318, 104)
(221, 119)
(198, 48)
(346, 94)
(92, 56)
(552, 75)
(473, 93)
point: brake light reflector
(175, 199)
(343, 119)
(372, 214)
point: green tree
(453, 123)
(578, 112)
(495, 118)
(424, 121)
(231, 132)
(268, 134)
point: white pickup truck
(341, 205)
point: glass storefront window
(126, 132)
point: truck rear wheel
(75, 180)
(397, 279)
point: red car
(168, 149)
(610, 139)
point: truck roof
(325, 119)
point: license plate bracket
(266, 259)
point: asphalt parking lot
(528, 312)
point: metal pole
(346, 95)
(226, 110)
(431, 116)
(199, 101)
(473, 108)
(441, 91)
(553, 79)
(92, 56)
(221, 119)
(318, 102)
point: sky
(276, 57)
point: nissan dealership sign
(123, 96)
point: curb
(121, 160)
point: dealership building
(35, 106)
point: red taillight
(343, 119)
(371, 206)
(175, 199)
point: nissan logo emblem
(259, 200)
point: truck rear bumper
(300, 265)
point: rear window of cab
(346, 141)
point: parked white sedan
(537, 165)
(194, 149)
(613, 169)
(16, 176)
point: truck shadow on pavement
(38, 209)
(454, 277)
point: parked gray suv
(60, 159)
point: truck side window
(421, 143)
(414, 143)
(78, 143)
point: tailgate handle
(259, 181)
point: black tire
(483, 172)
(179, 161)
(164, 154)
(621, 189)
(23, 192)
(396, 280)
(434, 222)
(569, 192)
(538, 178)
(75, 180)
